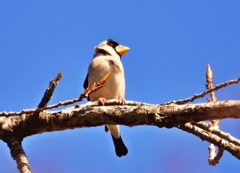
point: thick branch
(18, 154)
(90, 114)
(130, 114)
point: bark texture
(14, 126)
(131, 114)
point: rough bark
(131, 114)
(18, 154)
(14, 126)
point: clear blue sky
(171, 44)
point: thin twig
(49, 91)
(213, 98)
(197, 96)
(83, 95)
(227, 136)
(218, 156)
(67, 102)
(214, 157)
(216, 140)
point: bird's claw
(122, 101)
(102, 101)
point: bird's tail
(120, 148)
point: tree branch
(130, 114)
(14, 126)
(18, 154)
(200, 95)
(213, 156)
(211, 129)
(204, 135)
(49, 91)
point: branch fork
(188, 117)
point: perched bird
(107, 58)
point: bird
(107, 58)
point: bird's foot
(102, 101)
(122, 101)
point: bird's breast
(114, 88)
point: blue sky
(171, 44)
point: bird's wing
(85, 84)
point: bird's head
(111, 47)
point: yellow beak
(122, 49)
